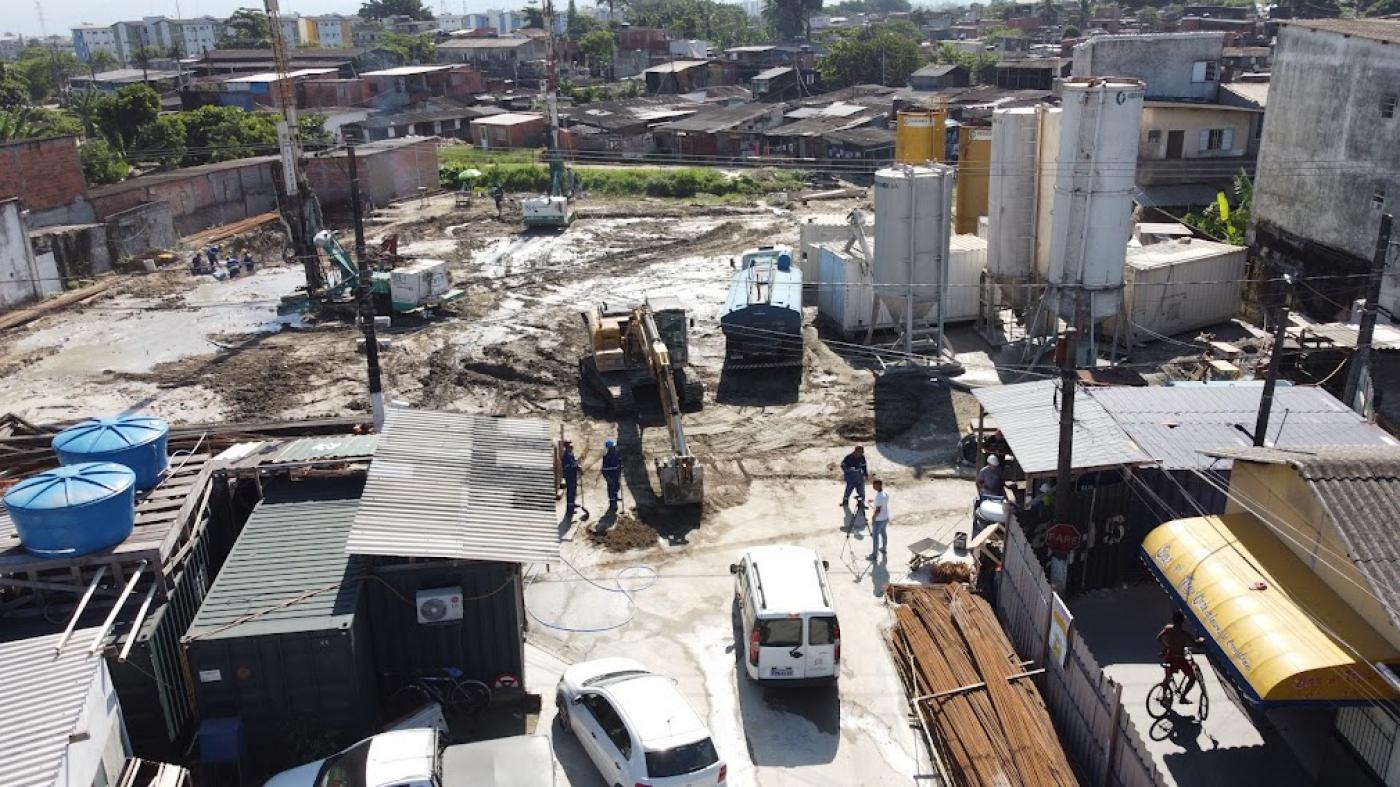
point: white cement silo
(1011, 195)
(913, 223)
(1094, 175)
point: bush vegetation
(522, 177)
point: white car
(417, 758)
(636, 727)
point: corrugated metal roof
(1344, 334)
(292, 545)
(1028, 416)
(41, 704)
(453, 485)
(1174, 424)
(311, 449)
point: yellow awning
(1279, 625)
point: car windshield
(346, 769)
(781, 633)
(681, 760)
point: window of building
(1204, 71)
(1154, 137)
(1388, 102)
(1378, 199)
(1217, 139)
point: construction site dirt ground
(196, 350)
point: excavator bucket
(681, 485)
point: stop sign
(1062, 539)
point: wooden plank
(22, 316)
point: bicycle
(1161, 697)
(449, 688)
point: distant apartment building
(501, 57)
(332, 31)
(11, 46)
(291, 29)
(504, 22)
(449, 23)
(88, 39)
(1329, 165)
(192, 37)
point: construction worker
(855, 470)
(612, 472)
(879, 520)
(989, 480)
(248, 263)
(498, 194)
(568, 466)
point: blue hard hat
(609, 443)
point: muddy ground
(194, 349)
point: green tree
(143, 55)
(1071, 32)
(90, 107)
(383, 9)
(791, 19)
(871, 55)
(597, 47)
(414, 49)
(1222, 221)
(13, 93)
(161, 141)
(225, 133)
(131, 109)
(887, 6)
(533, 16)
(16, 124)
(102, 164)
(312, 129)
(27, 122)
(1149, 17)
(44, 71)
(100, 60)
(247, 28)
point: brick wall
(42, 173)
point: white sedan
(636, 727)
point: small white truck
(417, 758)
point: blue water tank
(74, 509)
(137, 441)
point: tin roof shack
(390, 169)
(723, 131)
(1138, 457)
(281, 642)
(1325, 348)
(875, 145)
(494, 57)
(806, 138)
(936, 76)
(440, 527)
(1033, 73)
(60, 719)
(393, 89)
(251, 91)
(777, 84)
(680, 76)
(509, 130)
(618, 127)
(439, 119)
(333, 92)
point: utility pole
(1361, 358)
(1066, 351)
(1266, 401)
(366, 298)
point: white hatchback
(636, 726)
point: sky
(60, 16)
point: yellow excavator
(634, 349)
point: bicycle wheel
(470, 696)
(1159, 700)
(1203, 701)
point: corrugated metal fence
(1097, 734)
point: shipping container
(418, 283)
(1179, 286)
(281, 641)
(833, 229)
(845, 297)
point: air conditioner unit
(438, 605)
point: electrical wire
(650, 576)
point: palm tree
(87, 106)
(16, 124)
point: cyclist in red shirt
(1175, 639)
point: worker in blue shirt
(855, 470)
(568, 466)
(612, 472)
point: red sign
(1062, 539)
(507, 681)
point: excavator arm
(681, 476)
(349, 274)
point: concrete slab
(680, 622)
(1228, 748)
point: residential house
(936, 76)
(393, 89)
(782, 83)
(1032, 73)
(750, 60)
(109, 82)
(689, 49)
(721, 131)
(496, 57)
(333, 91)
(1334, 100)
(367, 33)
(1184, 117)
(1237, 61)
(508, 131)
(433, 119)
(621, 128)
(345, 61)
(1324, 348)
(1307, 543)
(679, 76)
(251, 91)
(868, 144)
(806, 137)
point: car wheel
(561, 711)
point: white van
(791, 633)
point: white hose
(618, 587)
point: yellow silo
(974, 166)
(918, 136)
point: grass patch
(515, 175)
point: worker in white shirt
(879, 520)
